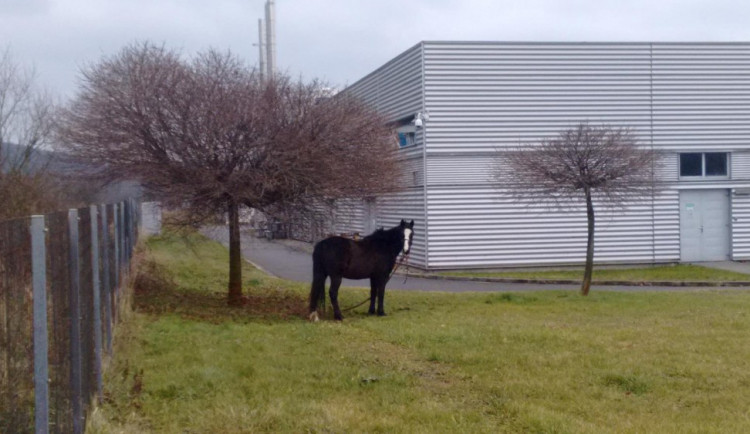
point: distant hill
(56, 163)
(10, 153)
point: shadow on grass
(157, 293)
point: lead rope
(398, 264)
(404, 259)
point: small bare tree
(27, 116)
(581, 163)
(210, 135)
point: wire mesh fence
(58, 303)
(16, 349)
(59, 322)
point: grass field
(547, 361)
(679, 273)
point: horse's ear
(403, 223)
(411, 224)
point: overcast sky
(339, 40)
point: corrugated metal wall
(395, 89)
(483, 97)
(480, 227)
(741, 225)
(407, 205)
(701, 96)
(349, 217)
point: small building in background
(456, 104)
(151, 216)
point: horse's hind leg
(317, 293)
(334, 293)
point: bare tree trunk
(586, 285)
(235, 256)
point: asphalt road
(289, 262)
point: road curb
(577, 282)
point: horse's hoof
(381, 314)
(371, 312)
(313, 317)
(338, 317)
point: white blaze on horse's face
(407, 240)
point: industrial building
(457, 104)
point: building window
(704, 164)
(716, 163)
(405, 139)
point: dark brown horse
(372, 257)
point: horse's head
(407, 232)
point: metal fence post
(125, 238)
(116, 219)
(41, 347)
(121, 235)
(75, 323)
(127, 219)
(106, 288)
(96, 287)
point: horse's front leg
(381, 296)
(373, 296)
(377, 292)
(334, 293)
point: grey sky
(339, 40)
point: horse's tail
(318, 287)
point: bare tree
(210, 135)
(581, 163)
(27, 116)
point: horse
(371, 257)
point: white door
(704, 225)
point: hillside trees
(27, 116)
(207, 134)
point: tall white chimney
(270, 38)
(261, 48)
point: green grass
(546, 361)
(679, 272)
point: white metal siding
(701, 96)
(740, 163)
(457, 170)
(406, 205)
(349, 216)
(666, 222)
(413, 175)
(479, 226)
(740, 226)
(669, 167)
(483, 97)
(396, 90)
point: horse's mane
(382, 234)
